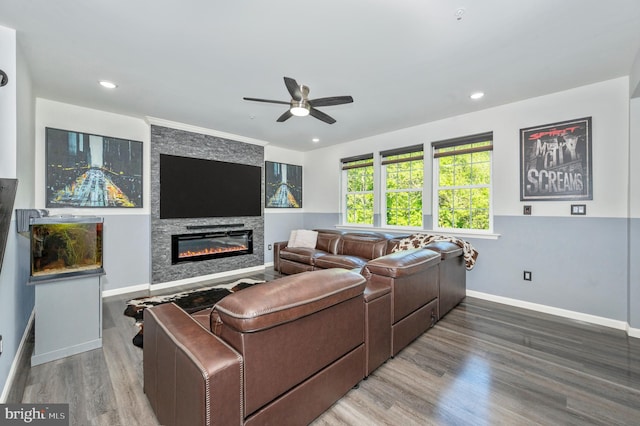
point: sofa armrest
(276, 253)
(190, 375)
(446, 249)
(402, 263)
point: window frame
(351, 163)
(437, 154)
(385, 161)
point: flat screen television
(195, 188)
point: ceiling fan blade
(294, 88)
(333, 100)
(284, 117)
(321, 116)
(266, 100)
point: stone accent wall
(187, 144)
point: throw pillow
(304, 238)
(292, 238)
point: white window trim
(462, 234)
(383, 196)
(343, 200)
(436, 206)
(383, 200)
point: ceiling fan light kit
(300, 104)
(300, 108)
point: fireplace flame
(212, 250)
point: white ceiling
(404, 62)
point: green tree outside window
(404, 182)
(464, 186)
(359, 192)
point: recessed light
(477, 95)
(108, 84)
(315, 140)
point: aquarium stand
(68, 317)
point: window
(403, 177)
(357, 178)
(462, 180)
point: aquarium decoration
(65, 246)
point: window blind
(365, 160)
(416, 153)
(439, 146)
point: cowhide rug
(191, 301)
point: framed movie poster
(85, 170)
(283, 185)
(555, 161)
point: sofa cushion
(365, 245)
(287, 299)
(329, 261)
(401, 264)
(289, 267)
(328, 241)
(446, 249)
(301, 254)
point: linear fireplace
(210, 245)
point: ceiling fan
(300, 104)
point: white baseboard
(65, 352)
(592, 319)
(633, 332)
(14, 365)
(125, 290)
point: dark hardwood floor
(483, 364)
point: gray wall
(277, 227)
(578, 263)
(16, 298)
(634, 273)
(126, 250)
(187, 144)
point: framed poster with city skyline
(92, 171)
(555, 161)
(283, 185)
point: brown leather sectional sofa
(354, 250)
(283, 352)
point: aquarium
(65, 246)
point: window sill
(462, 235)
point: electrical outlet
(270, 247)
(527, 275)
(0, 344)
